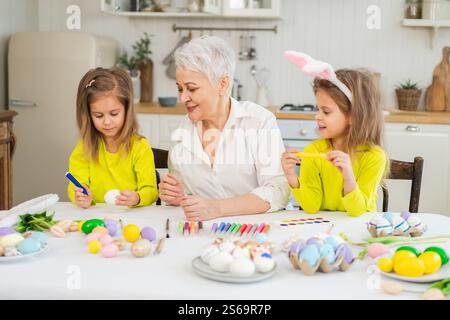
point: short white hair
(209, 55)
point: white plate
(443, 273)
(24, 256)
(205, 271)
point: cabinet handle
(303, 132)
(22, 103)
(412, 128)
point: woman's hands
(197, 208)
(82, 200)
(289, 161)
(171, 190)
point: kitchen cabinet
(432, 142)
(7, 143)
(210, 8)
(158, 128)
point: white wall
(15, 16)
(331, 30)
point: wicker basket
(408, 99)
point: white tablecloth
(67, 271)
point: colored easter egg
(314, 241)
(106, 239)
(101, 230)
(310, 254)
(388, 216)
(398, 255)
(141, 248)
(39, 236)
(409, 267)
(382, 227)
(11, 240)
(408, 248)
(375, 250)
(148, 233)
(261, 237)
(57, 231)
(296, 248)
(405, 215)
(111, 196)
(242, 267)
(431, 260)
(109, 251)
(111, 225)
(221, 262)
(263, 263)
(6, 230)
(209, 252)
(344, 250)
(2, 252)
(131, 232)
(92, 236)
(327, 252)
(332, 241)
(94, 246)
(80, 225)
(89, 225)
(399, 225)
(385, 264)
(28, 246)
(440, 252)
(120, 243)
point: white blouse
(247, 158)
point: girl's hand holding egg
(128, 198)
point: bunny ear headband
(315, 68)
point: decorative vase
(408, 99)
(146, 69)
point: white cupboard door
(404, 145)
(167, 125)
(251, 8)
(212, 6)
(149, 128)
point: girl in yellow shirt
(342, 170)
(110, 155)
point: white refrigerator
(44, 69)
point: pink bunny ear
(316, 68)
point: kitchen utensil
(438, 94)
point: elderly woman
(226, 157)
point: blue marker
(75, 182)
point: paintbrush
(310, 155)
(167, 228)
(160, 245)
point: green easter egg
(90, 225)
(411, 249)
(441, 252)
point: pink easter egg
(109, 251)
(377, 249)
(91, 237)
(106, 239)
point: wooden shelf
(424, 23)
(163, 14)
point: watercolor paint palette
(292, 223)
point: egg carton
(322, 265)
(406, 224)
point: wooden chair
(160, 156)
(401, 170)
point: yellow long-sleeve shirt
(135, 171)
(322, 186)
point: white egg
(11, 240)
(239, 252)
(208, 253)
(111, 195)
(242, 267)
(264, 264)
(227, 246)
(12, 252)
(221, 262)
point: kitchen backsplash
(331, 30)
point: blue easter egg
(332, 242)
(327, 252)
(40, 237)
(311, 254)
(388, 216)
(28, 246)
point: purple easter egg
(344, 249)
(148, 233)
(296, 248)
(6, 230)
(405, 214)
(314, 241)
(111, 225)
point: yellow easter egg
(402, 254)
(431, 260)
(131, 232)
(385, 264)
(409, 267)
(94, 246)
(80, 224)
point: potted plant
(408, 95)
(145, 66)
(130, 64)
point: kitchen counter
(394, 116)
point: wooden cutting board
(437, 97)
